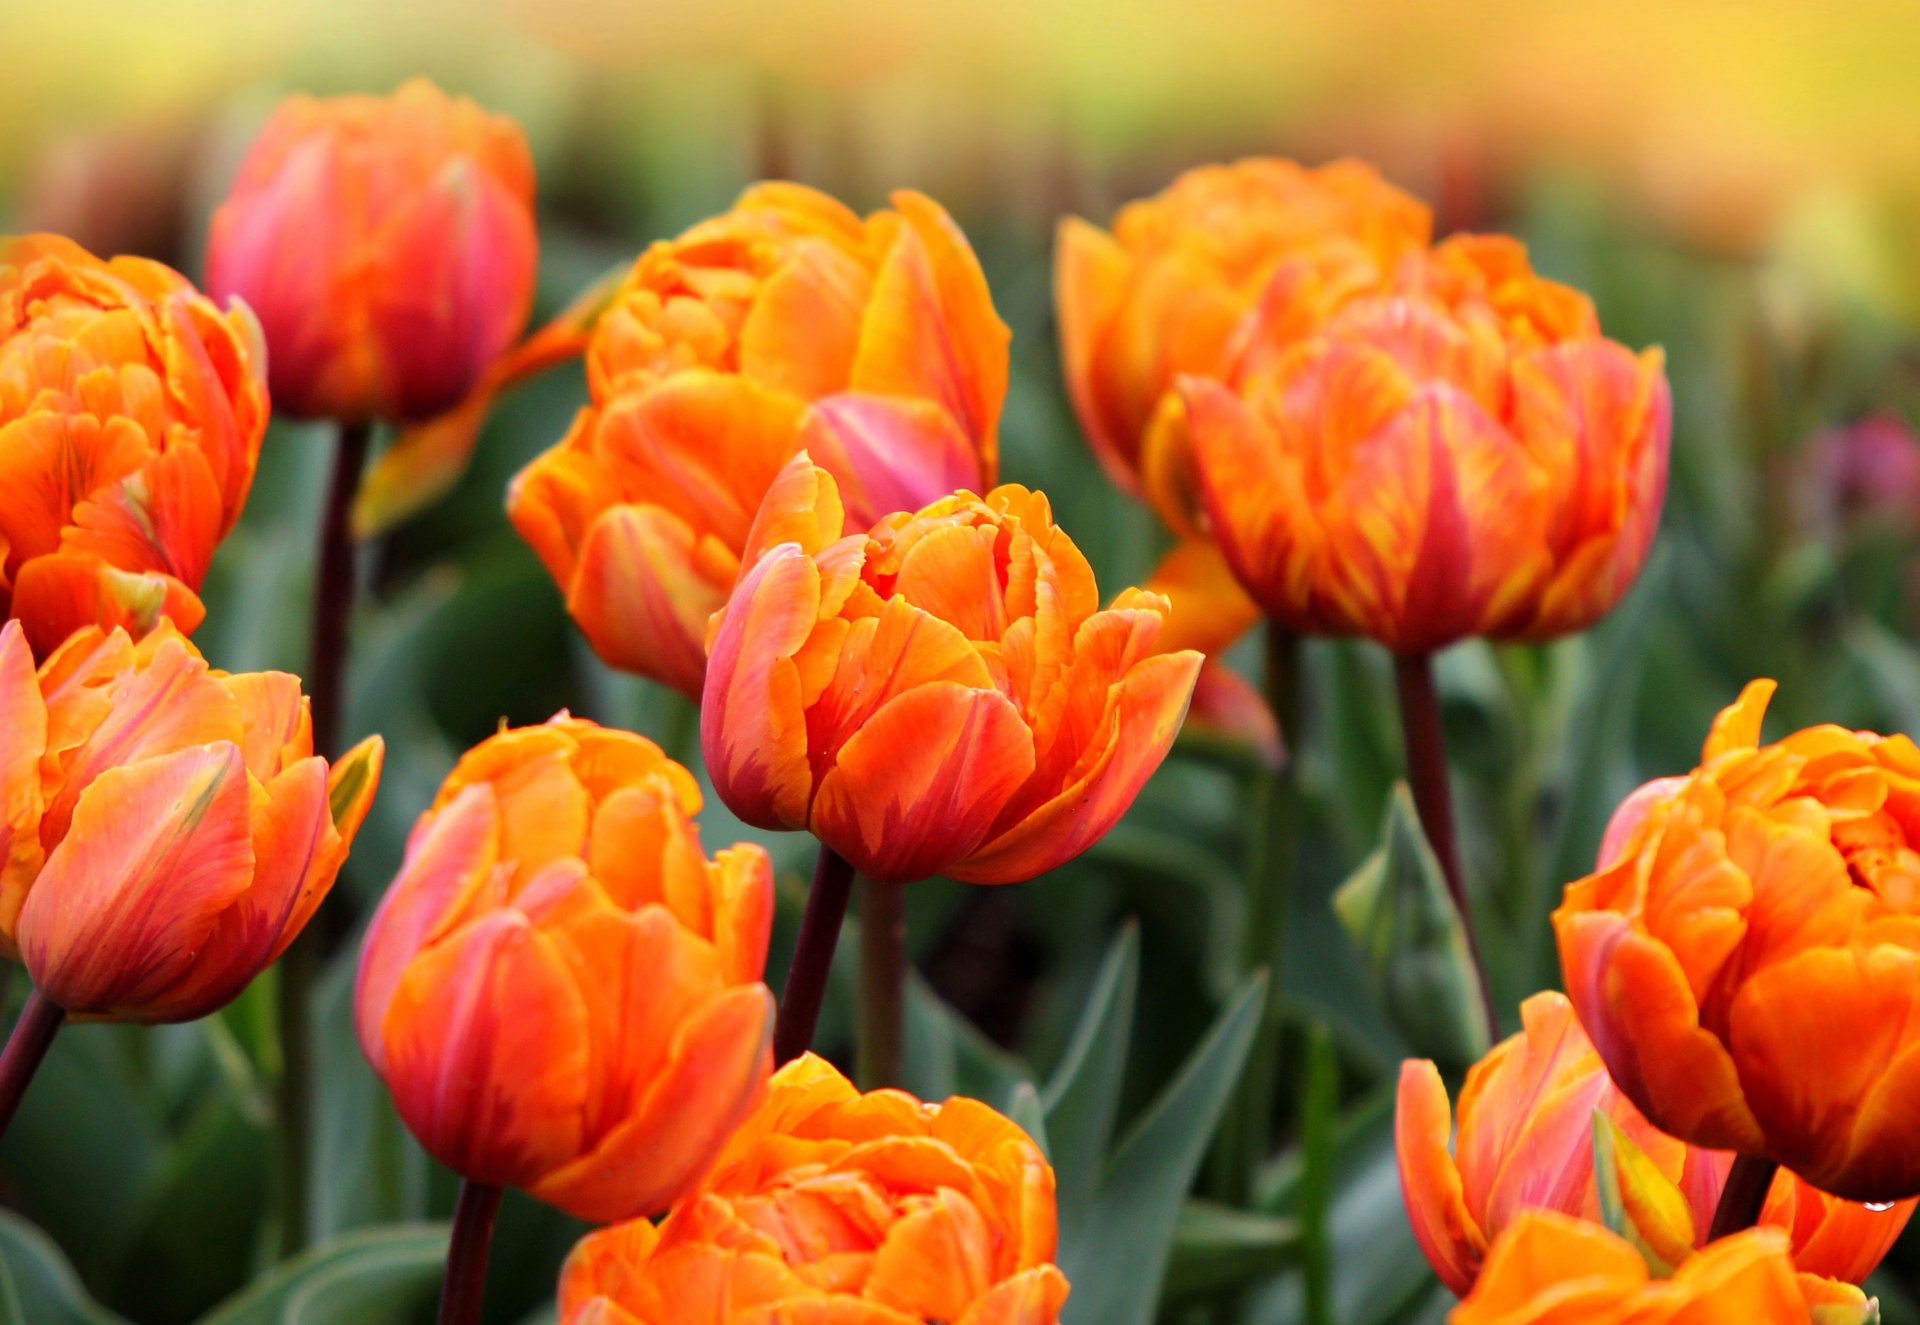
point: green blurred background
(1734, 181)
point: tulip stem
(1426, 742)
(40, 1020)
(1744, 1196)
(883, 984)
(813, 955)
(466, 1282)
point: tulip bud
(560, 989)
(387, 245)
(168, 830)
(939, 696)
(131, 411)
(830, 1205)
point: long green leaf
(374, 1276)
(1082, 1098)
(37, 1285)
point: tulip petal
(802, 507)
(803, 327)
(1209, 609)
(937, 1258)
(1032, 1297)
(889, 453)
(1429, 1180)
(57, 595)
(155, 852)
(23, 741)
(641, 599)
(1090, 276)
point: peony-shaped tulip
(786, 323)
(1227, 262)
(941, 695)
(1747, 955)
(1525, 1141)
(560, 989)
(1459, 453)
(830, 1205)
(388, 246)
(131, 411)
(1550, 1269)
(167, 828)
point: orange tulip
(1525, 1142)
(131, 411)
(1227, 263)
(167, 828)
(1747, 955)
(387, 244)
(1549, 1269)
(560, 989)
(832, 1206)
(940, 695)
(787, 323)
(1461, 453)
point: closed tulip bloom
(942, 695)
(387, 244)
(1549, 1269)
(786, 323)
(131, 411)
(832, 1206)
(1747, 956)
(1524, 1141)
(167, 828)
(1462, 453)
(560, 989)
(1226, 263)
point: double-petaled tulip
(832, 1206)
(1460, 453)
(1549, 1269)
(1525, 1141)
(167, 828)
(387, 245)
(1747, 956)
(941, 695)
(560, 989)
(788, 322)
(131, 411)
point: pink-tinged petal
(641, 596)
(1091, 274)
(1032, 1297)
(156, 851)
(889, 453)
(23, 741)
(718, 1062)
(1449, 1236)
(1229, 712)
(486, 1051)
(753, 728)
(802, 507)
(919, 784)
(1248, 490)
(449, 860)
(1629, 815)
(1144, 715)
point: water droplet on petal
(1879, 1206)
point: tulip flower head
(1747, 957)
(131, 412)
(941, 695)
(388, 246)
(168, 829)
(560, 989)
(1550, 1269)
(1460, 453)
(830, 1205)
(1525, 1142)
(787, 323)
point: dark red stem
(1742, 1199)
(333, 591)
(40, 1021)
(466, 1281)
(813, 955)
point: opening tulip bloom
(560, 989)
(1747, 956)
(168, 829)
(131, 411)
(787, 323)
(1525, 1142)
(1549, 1269)
(830, 1205)
(388, 246)
(1459, 454)
(941, 695)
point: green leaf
(374, 1276)
(1320, 1102)
(1082, 1098)
(1118, 1257)
(37, 1285)
(1217, 1248)
(1397, 909)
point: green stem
(883, 984)
(1319, 1112)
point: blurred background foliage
(1735, 182)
